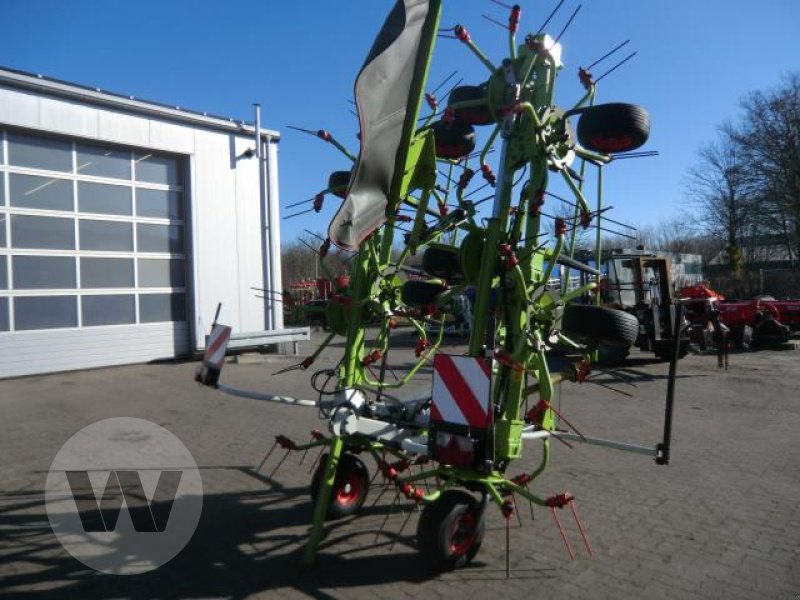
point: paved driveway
(722, 521)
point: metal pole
(662, 457)
(258, 130)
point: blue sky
(695, 61)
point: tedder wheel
(338, 182)
(610, 128)
(600, 324)
(450, 530)
(453, 140)
(474, 115)
(421, 293)
(442, 262)
(349, 487)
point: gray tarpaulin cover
(382, 97)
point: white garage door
(92, 255)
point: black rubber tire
(474, 115)
(442, 262)
(454, 140)
(421, 293)
(450, 531)
(599, 324)
(350, 486)
(611, 128)
(338, 182)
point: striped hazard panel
(461, 391)
(216, 346)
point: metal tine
(549, 18)
(309, 246)
(316, 235)
(614, 374)
(636, 155)
(569, 22)
(508, 546)
(381, 493)
(454, 86)
(298, 214)
(608, 387)
(479, 152)
(563, 533)
(477, 189)
(495, 21)
(301, 202)
(402, 527)
(516, 512)
(388, 514)
(570, 203)
(304, 130)
(503, 4)
(316, 460)
(615, 67)
(581, 528)
(278, 466)
(446, 79)
(270, 292)
(607, 54)
(266, 457)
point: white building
(123, 223)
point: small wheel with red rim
(450, 530)
(349, 487)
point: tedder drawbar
(415, 173)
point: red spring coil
(371, 358)
(433, 103)
(325, 248)
(443, 210)
(522, 479)
(513, 19)
(561, 226)
(324, 135)
(318, 200)
(488, 175)
(465, 178)
(585, 77)
(422, 344)
(462, 34)
(559, 500)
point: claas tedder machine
(412, 184)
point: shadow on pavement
(245, 543)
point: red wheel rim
(462, 533)
(612, 143)
(348, 489)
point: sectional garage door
(92, 254)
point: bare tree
(770, 143)
(720, 188)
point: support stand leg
(321, 508)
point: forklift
(641, 284)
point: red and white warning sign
(216, 346)
(208, 373)
(462, 390)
